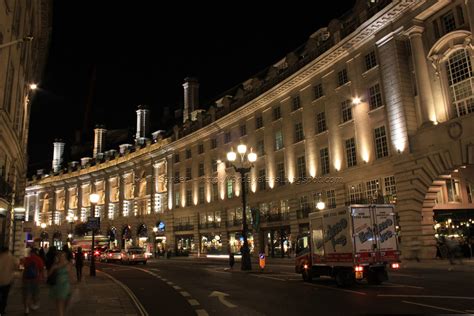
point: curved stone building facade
(25, 29)
(376, 107)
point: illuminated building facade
(376, 107)
(24, 39)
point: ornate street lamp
(93, 198)
(155, 230)
(320, 205)
(243, 165)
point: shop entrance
(277, 242)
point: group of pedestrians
(55, 267)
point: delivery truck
(352, 243)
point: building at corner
(376, 107)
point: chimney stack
(191, 97)
(99, 140)
(58, 152)
(143, 124)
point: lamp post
(320, 205)
(155, 230)
(243, 166)
(94, 198)
(71, 219)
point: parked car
(134, 255)
(111, 255)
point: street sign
(93, 222)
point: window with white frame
(201, 195)
(331, 199)
(177, 199)
(230, 188)
(278, 140)
(390, 188)
(346, 110)
(453, 188)
(276, 113)
(304, 203)
(461, 82)
(356, 193)
(324, 159)
(299, 134)
(372, 189)
(258, 122)
(351, 153)
(301, 167)
(342, 77)
(370, 60)
(189, 197)
(381, 147)
(318, 91)
(295, 103)
(321, 122)
(449, 23)
(375, 97)
(280, 174)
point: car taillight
(133, 256)
(305, 267)
(358, 268)
(395, 265)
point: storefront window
(212, 244)
(184, 245)
(236, 241)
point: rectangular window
(260, 148)
(262, 180)
(243, 130)
(176, 177)
(227, 138)
(318, 91)
(213, 143)
(214, 165)
(346, 109)
(299, 135)
(449, 24)
(280, 174)
(301, 168)
(351, 153)
(356, 194)
(278, 140)
(201, 195)
(453, 188)
(176, 158)
(342, 77)
(215, 192)
(177, 200)
(189, 197)
(436, 32)
(381, 147)
(258, 122)
(324, 157)
(321, 122)
(460, 15)
(201, 148)
(230, 189)
(201, 170)
(331, 199)
(375, 97)
(188, 174)
(276, 113)
(295, 103)
(372, 189)
(390, 188)
(188, 153)
(304, 203)
(370, 60)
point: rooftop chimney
(143, 124)
(99, 140)
(191, 97)
(58, 152)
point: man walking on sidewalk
(8, 266)
(32, 275)
(79, 262)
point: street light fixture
(93, 198)
(243, 166)
(33, 86)
(155, 230)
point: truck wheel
(307, 275)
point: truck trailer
(351, 243)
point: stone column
(197, 237)
(423, 80)
(106, 198)
(79, 200)
(169, 180)
(66, 201)
(121, 193)
(470, 14)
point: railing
(276, 217)
(183, 227)
(210, 225)
(234, 222)
(385, 199)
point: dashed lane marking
(428, 296)
(176, 287)
(185, 294)
(193, 302)
(435, 307)
(170, 283)
(404, 285)
(201, 312)
(267, 277)
(335, 288)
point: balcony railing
(234, 222)
(387, 199)
(183, 227)
(276, 217)
(209, 225)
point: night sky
(117, 55)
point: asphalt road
(190, 287)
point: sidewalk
(98, 296)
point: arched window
(460, 81)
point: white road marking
(428, 296)
(470, 311)
(216, 271)
(404, 285)
(193, 302)
(435, 307)
(169, 283)
(185, 294)
(221, 297)
(406, 275)
(176, 287)
(201, 312)
(335, 288)
(267, 277)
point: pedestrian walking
(61, 289)
(50, 257)
(42, 255)
(231, 260)
(68, 253)
(33, 274)
(8, 266)
(79, 263)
